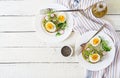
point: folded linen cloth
(82, 24)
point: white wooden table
(23, 55)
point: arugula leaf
(58, 34)
(105, 45)
(85, 54)
(62, 25)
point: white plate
(106, 60)
(44, 36)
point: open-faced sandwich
(55, 22)
(95, 49)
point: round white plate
(106, 60)
(52, 38)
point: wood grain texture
(114, 20)
(65, 70)
(22, 7)
(113, 6)
(21, 47)
(17, 23)
(29, 23)
(34, 55)
(31, 39)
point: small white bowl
(70, 48)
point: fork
(84, 44)
(75, 4)
(45, 11)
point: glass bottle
(99, 9)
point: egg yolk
(61, 18)
(94, 57)
(49, 26)
(95, 41)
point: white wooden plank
(21, 7)
(33, 55)
(29, 23)
(17, 23)
(114, 20)
(16, 8)
(42, 71)
(113, 6)
(28, 48)
(30, 39)
(19, 39)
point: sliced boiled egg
(61, 17)
(50, 27)
(94, 57)
(95, 41)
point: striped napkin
(82, 24)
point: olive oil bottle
(99, 9)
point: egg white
(91, 59)
(50, 30)
(91, 41)
(61, 14)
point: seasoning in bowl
(66, 51)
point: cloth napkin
(82, 24)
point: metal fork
(45, 11)
(74, 4)
(84, 44)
